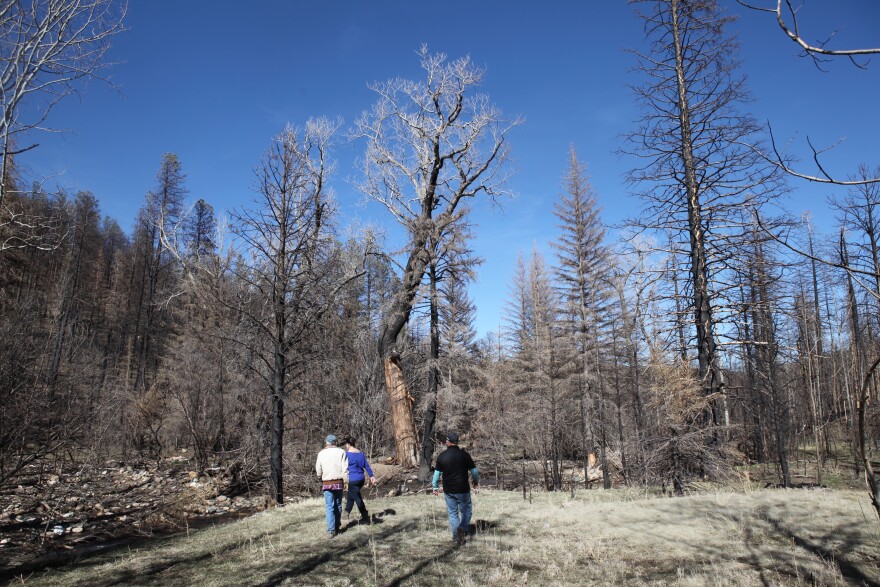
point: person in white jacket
(332, 468)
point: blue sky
(214, 81)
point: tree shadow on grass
(420, 566)
(761, 535)
(99, 554)
(312, 563)
(848, 569)
(127, 577)
(479, 526)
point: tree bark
(864, 448)
(401, 402)
(856, 335)
(402, 424)
(427, 451)
(710, 371)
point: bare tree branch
(785, 10)
(854, 272)
(780, 161)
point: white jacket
(332, 464)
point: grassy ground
(617, 537)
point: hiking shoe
(365, 520)
(460, 536)
(331, 535)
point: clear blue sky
(213, 81)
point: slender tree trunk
(871, 477)
(821, 373)
(757, 407)
(585, 448)
(709, 370)
(766, 352)
(618, 406)
(606, 475)
(855, 347)
(679, 317)
(554, 437)
(427, 451)
(149, 309)
(276, 483)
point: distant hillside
(623, 537)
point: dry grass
(618, 537)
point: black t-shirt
(455, 464)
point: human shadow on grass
(483, 526)
(313, 562)
(374, 519)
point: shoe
(365, 520)
(460, 536)
(331, 535)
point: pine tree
(583, 269)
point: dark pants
(354, 497)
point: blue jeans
(459, 504)
(333, 506)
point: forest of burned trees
(693, 342)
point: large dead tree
(696, 172)
(431, 144)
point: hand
(476, 488)
(373, 480)
(436, 491)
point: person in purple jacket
(357, 466)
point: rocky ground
(54, 514)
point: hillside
(622, 537)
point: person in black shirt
(453, 466)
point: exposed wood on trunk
(405, 439)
